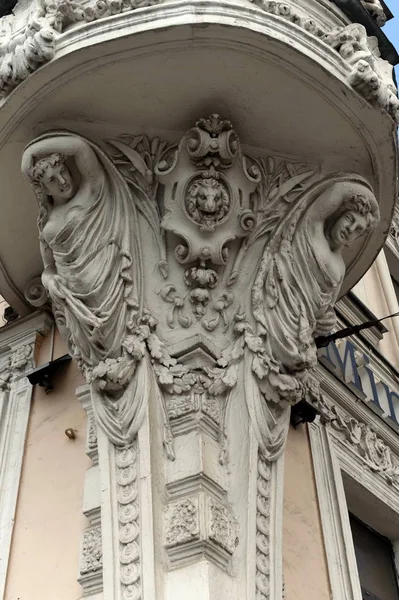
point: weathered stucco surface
(305, 569)
(44, 557)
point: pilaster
(17, 345)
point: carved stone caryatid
(294, 288)
(93, 271)
(258, 265)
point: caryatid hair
(360, 204)
(38, 169)
(35, 174)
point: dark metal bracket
(303, 412)
(44, 374)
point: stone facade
(192, 252)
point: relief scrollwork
(207, 191)
(208, 184)
(363, 441)
(91, 557)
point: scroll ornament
(249, 257)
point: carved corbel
(250, 257)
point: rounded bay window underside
(156, 70)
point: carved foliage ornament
(362, 440)
(249, 251)
(198, 524)
(91, 558)
(371, 76)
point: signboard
(352, 366)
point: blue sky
(391, 29)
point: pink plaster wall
(305, 567)
(44, 557)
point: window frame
(335, 459)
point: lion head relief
(207, 202)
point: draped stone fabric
(295, 288)
(296, 283)
(96, 293)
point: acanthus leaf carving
(23, 50)
(182, 521)
(200, 525)
(223, 527)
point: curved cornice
(130, 37)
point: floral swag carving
(249, 261)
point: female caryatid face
(57, 182)
(349, 226)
